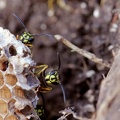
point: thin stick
(68, 111)
(82, 52)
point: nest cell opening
(3, 107)
(27, 110)
(12, 51)
(5, 93)
(18, 92)
(1, 118)
(32, 80)
(1, 79)
(3, 64)
(30, 94)
(11, 117)
(10, 79)
(25, 53)
(11, 104)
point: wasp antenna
(63, 91)
(59, 62)
(43, 34)
(20, 21)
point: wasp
(50, 78)
(40, 108)
(26, 37)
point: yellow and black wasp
(52, 77)
(40, 108)
(26, 37)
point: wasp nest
(17, 81)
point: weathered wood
(108, 107)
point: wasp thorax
(52, 77)
(26, 38)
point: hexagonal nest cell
(3, 63)
(12, 51)
(16, 85)
(10, 79)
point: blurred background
(87, 24)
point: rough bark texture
(108, 107)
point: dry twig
(68, 111)
(82, 52)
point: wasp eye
(31, 39)
(52, 72)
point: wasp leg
(41, 69)
(17, 37)
(45, 89)
(29, 45)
